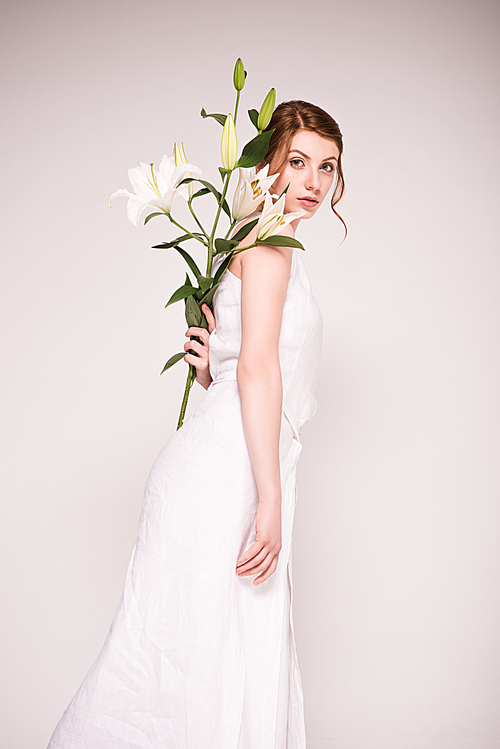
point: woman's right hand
(262, 556)
(200, 362)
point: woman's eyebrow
(296, 150)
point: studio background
(396, 553)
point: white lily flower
(251, 191)
(273, 219)
(155, 188)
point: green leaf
(207, 185)
(226, 210)
(208, 297)
(152, 215)
(255, 150)
(221, 118)
(173, 360)
(220, 270)
(279, 241)
(188, 281)
(224, 245)
(244, 231)
(181, 293)
(201, 192)
(204, 283)
(174, 242)
(223, 172)
(254, 116)
(194, 315)
(213, 190)
(189, 260)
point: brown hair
(287, 119)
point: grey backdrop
(396, 553)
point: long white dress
(198, 657)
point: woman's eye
(328, 168)
(297, 163)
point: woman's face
(309, 168)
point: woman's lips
(308, 202)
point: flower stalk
(189, 384)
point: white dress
(198, 657)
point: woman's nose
(312, 181)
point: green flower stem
(189, 384)
(196, 217)
(236, 106)
(240, 249)
(214, 229)
(186, 230)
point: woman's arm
(201, 362)
(265, 272)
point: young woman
(201, 651)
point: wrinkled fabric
(196, 656)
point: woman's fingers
(196, 346)
(210, 318)
(259, 566)
(250, 563)
(268, 572)
(254, 549)
(200, 332)
(259, 558)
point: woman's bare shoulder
(261, 254)
(235, 264)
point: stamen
(152, 183)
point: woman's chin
(309, 212)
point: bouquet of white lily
(175, 175)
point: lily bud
(266, 110)
(239, 75)
(180, 158)
(229, 144)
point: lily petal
(272, 219)
(118, 194)
(182, 171)
(165, 171)
(141, 179)
(135, 207)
